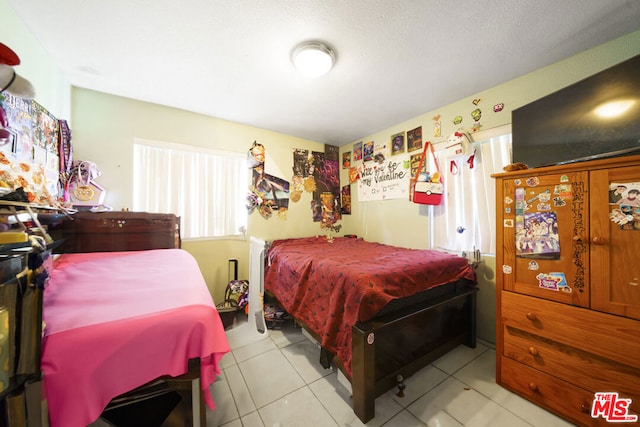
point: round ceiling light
(313, 58)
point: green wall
(104, 130)
(104, 127)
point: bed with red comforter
(346, 293)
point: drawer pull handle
(599, 241)
(531, 316)
(586, 408)
(533, 386)
(533, 351)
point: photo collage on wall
(624, 198)
(34, 145)
(383, 171)
(269, 194)
(319, 173)
(36, 132)
(313, 172)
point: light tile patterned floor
(278, 381)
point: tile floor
(278, 381)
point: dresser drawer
(581, 368)
(553, 394)
(612, 337)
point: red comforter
(332, 286)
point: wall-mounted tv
(570, 126)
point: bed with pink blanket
(118, 321)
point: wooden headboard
(117, 231)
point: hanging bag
(426, 188)
(83, 190)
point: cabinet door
(545, 223)
(615, 243)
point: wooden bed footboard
(402, 343)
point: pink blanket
(117, 320)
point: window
(206, 188)
(467, 218)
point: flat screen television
(566, 127)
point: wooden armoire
(568, 288)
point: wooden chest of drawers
(560, 356)
(568, 288)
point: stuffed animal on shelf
(515, 167)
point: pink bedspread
(117, 320)
(332, 286)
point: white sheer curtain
(206, 188)
(466, 219)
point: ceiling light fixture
(313, 58)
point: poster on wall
(387, 180)
(46, 129)
(346, 199)
(357, 151)
(367, 151)
(414, 139)
(397, 143)
(269, 194)
(414, 160)
(19, 116)
(346, 160)
(275, 190)
(326, 197)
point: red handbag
(427, 190)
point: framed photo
(414, 139)
(397, 143)
(357, 151)
(415, 163)
(346, 160)
(367, 151)
(346, 199)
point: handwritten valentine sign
(387, 180)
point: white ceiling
(397, 59)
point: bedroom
(94, 117)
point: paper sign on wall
(387, 180)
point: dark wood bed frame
(134, 231)
(402, 340)
(394, 346)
